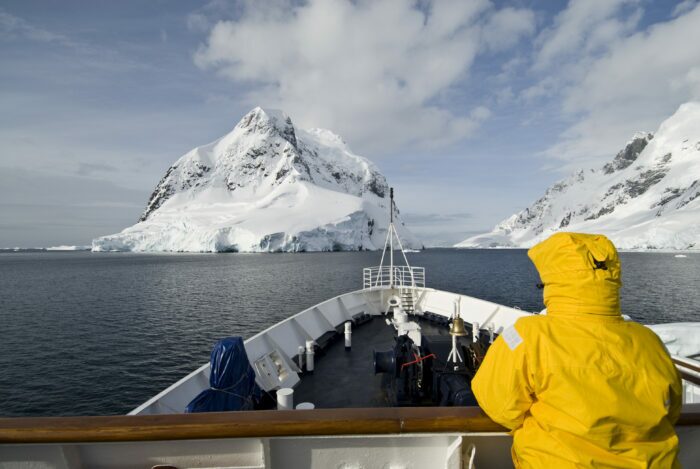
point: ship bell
(457, 327)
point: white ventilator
(300, 353)
(348, 335)
(285, 399)
(310, 356)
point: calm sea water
(84, 333)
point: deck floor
(346, 378)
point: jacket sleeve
(669, 376)
(675, 395)
(502, 385)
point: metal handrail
(401, 276)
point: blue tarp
(232, 380)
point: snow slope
(648, 197)
(265, 186)
(680, 338)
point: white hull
(434, 451)
(310, 324)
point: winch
(430, 369)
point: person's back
(580, 386)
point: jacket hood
(580, 272)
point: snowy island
(647, 197)
(265, 187)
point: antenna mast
(389, 243)
(391, 205)
(391, 238)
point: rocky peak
(268, 122)
(629, 154)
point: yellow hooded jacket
(579, 386)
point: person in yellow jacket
(580, 386)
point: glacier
(646, 198)
(265, 187)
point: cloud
(198, 22)
(87, 169)
(584, 25)
(505, 27)
(78, 209)
(436, 230)
(206, 16)
(14, 27)
(433, 218)
(82, 54)
(639, 81)
(683, 7)
(377, 72)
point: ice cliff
(647, 197)
(265, 186)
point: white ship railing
(399, 276)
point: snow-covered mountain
(266, 186)
(647, 197)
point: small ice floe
(680, 255)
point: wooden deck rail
(683, 366)
(256, 424)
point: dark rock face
(565, 221)
(377, 187)
(620, 193)
(670, 193)
(637, 187)
(301, 165)
(281, 174)
(532, 213)
(603, 211)
(257, 121)
(166, 188)
(542, 205)
(628, 155)
(690, 194)
(161, 193)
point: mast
(389, 244)
(391, 238)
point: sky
(471, 109)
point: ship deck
(345, 378)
